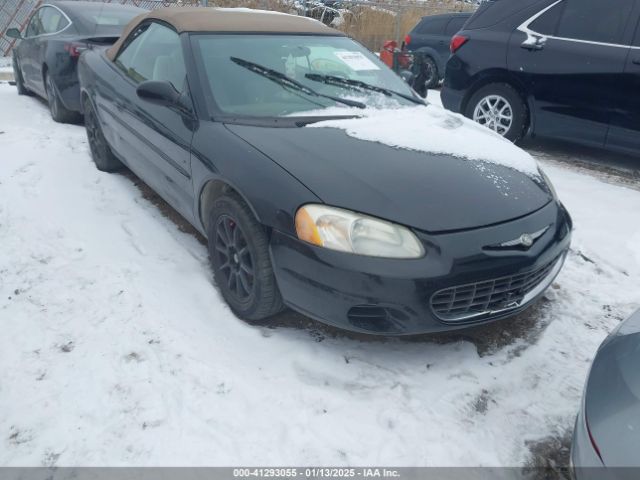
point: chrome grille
(474, 300)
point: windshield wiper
(288, 82)
(359, 85)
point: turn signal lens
(306, 228)
(346, 231)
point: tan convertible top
(193, 19)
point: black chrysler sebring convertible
(253, 125)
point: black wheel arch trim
(435, 56)
(214, 177)
(48, 72)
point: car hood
(433, 192)
(612, 399)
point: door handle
(636, 61)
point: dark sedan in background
(215, 109)
(564, 69)
(45, 59)
(606, 439)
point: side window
(595, 20)
(455, 25)
(433, 26)
(35, 26)
(153, 52)
(547, 23)
(52, 20)
(636, 41)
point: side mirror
(13, 33)
(160, 93)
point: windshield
(294, 75)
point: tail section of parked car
(429, 41)
(574, 65)
(46, 55)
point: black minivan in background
(431, 38)
(565, 69)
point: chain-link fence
(369, 21)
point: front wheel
(239, 253)
(499, 107)
(428, 76)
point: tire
(239, 254)
(17, 75)
(102, 155)
(58, 111)
(490, 106)
(428, 77)
(432, 76)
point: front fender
(271, 192)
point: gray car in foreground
(606, 440)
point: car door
(624, 133)
(156, 139)
(571, 57)
(52, 21)
(430, 34)
(437, 38)
(26, 52)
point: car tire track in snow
(110, 357)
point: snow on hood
(433, 129)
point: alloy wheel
(234, 258)
(429, 75)
(494, 112)
(93, 132)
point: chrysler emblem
(526, 240)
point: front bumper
(393, 297)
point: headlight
(346, 231)
(552, 189)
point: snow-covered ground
(116, 348)
(6, 71)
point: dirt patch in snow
(550, 457)
(613, 168)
